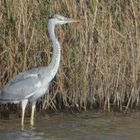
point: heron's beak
(70, 20)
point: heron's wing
(22, 86)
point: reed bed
(100, 63)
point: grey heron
(30, 85)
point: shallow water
(84, 126)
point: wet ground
(83, 126)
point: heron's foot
(31, 122)
(32, 127)
(22, 127)
(22, 124)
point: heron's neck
(54, 65)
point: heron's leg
(23, 104)
(32, 113)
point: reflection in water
(20, 135)
(88, 126)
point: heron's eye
(59, 18)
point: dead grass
(100, 63)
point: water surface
(84, 126)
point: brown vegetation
(100, 63)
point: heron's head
(58, 19)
